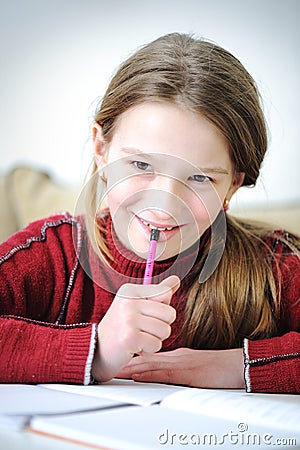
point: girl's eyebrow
(217, 170)
(131, 150)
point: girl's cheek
(200, 206)
(119, 195)
(210, 204)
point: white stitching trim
(247, 366)
(72, 276)
(41, 238)
(90, 357)
(45, 324)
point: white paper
(154, 427)
(123, 390)
(28, 400)
(279, 410)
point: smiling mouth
(156, 227)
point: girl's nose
(167, 183)
(168, 194)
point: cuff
(272, 365)
(246, 366)
(88, 379)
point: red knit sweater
(54, 292)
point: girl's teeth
(158, 228)
(152, 227)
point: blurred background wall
(57, 56)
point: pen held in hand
(151, 256)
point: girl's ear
(238, 179)
(236, 184)
(99, 145)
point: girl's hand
(197, 368)
(137, 321)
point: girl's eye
(141, 165)
(200, 178)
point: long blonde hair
(242, 296)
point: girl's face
(168, 168)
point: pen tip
(154, 234)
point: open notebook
(177, 417)
(19, 403)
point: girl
(179, 130)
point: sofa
(29, 193)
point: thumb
(163, 291)
(173, 282)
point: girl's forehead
(169, 129)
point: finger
(163, 291)
(154, 361)
(143, 363)
(173, 282)
(169, 374)
(132, 368)
(166, 376)
(153, 326)
(149, 343)
(160, 311)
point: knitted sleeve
(273, 365)
(38, 274)
(36, 352)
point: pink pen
(151, 256)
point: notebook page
(122, 390)
(279, 410)
(23, 399)
(154, 427)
